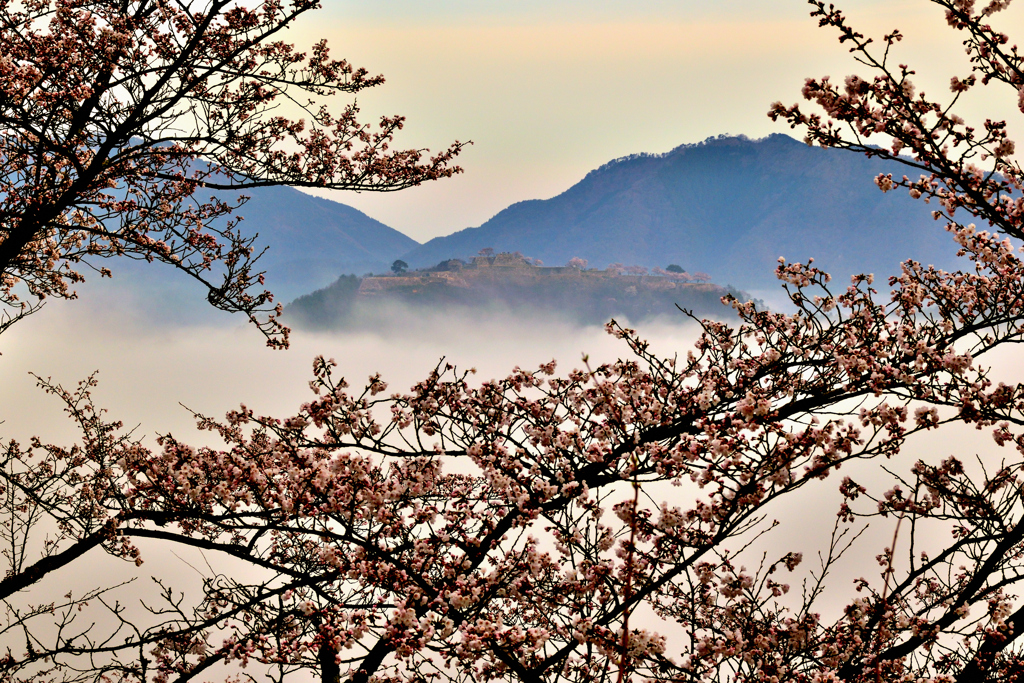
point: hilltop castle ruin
(512, 269)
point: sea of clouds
(160, 357)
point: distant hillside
(508, 283)
(312, 241)
(728, 206)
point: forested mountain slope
(312, 240)
(729, 207)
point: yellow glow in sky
(547, 93)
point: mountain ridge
(311, 240)
(729, 206)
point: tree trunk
(330, 672)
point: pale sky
(548, 90)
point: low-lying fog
(152, 355)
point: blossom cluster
(121, 118)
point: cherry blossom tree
(615, 522)
(118, 119)
(463, 532)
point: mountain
(729, 206)
(311, 241)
